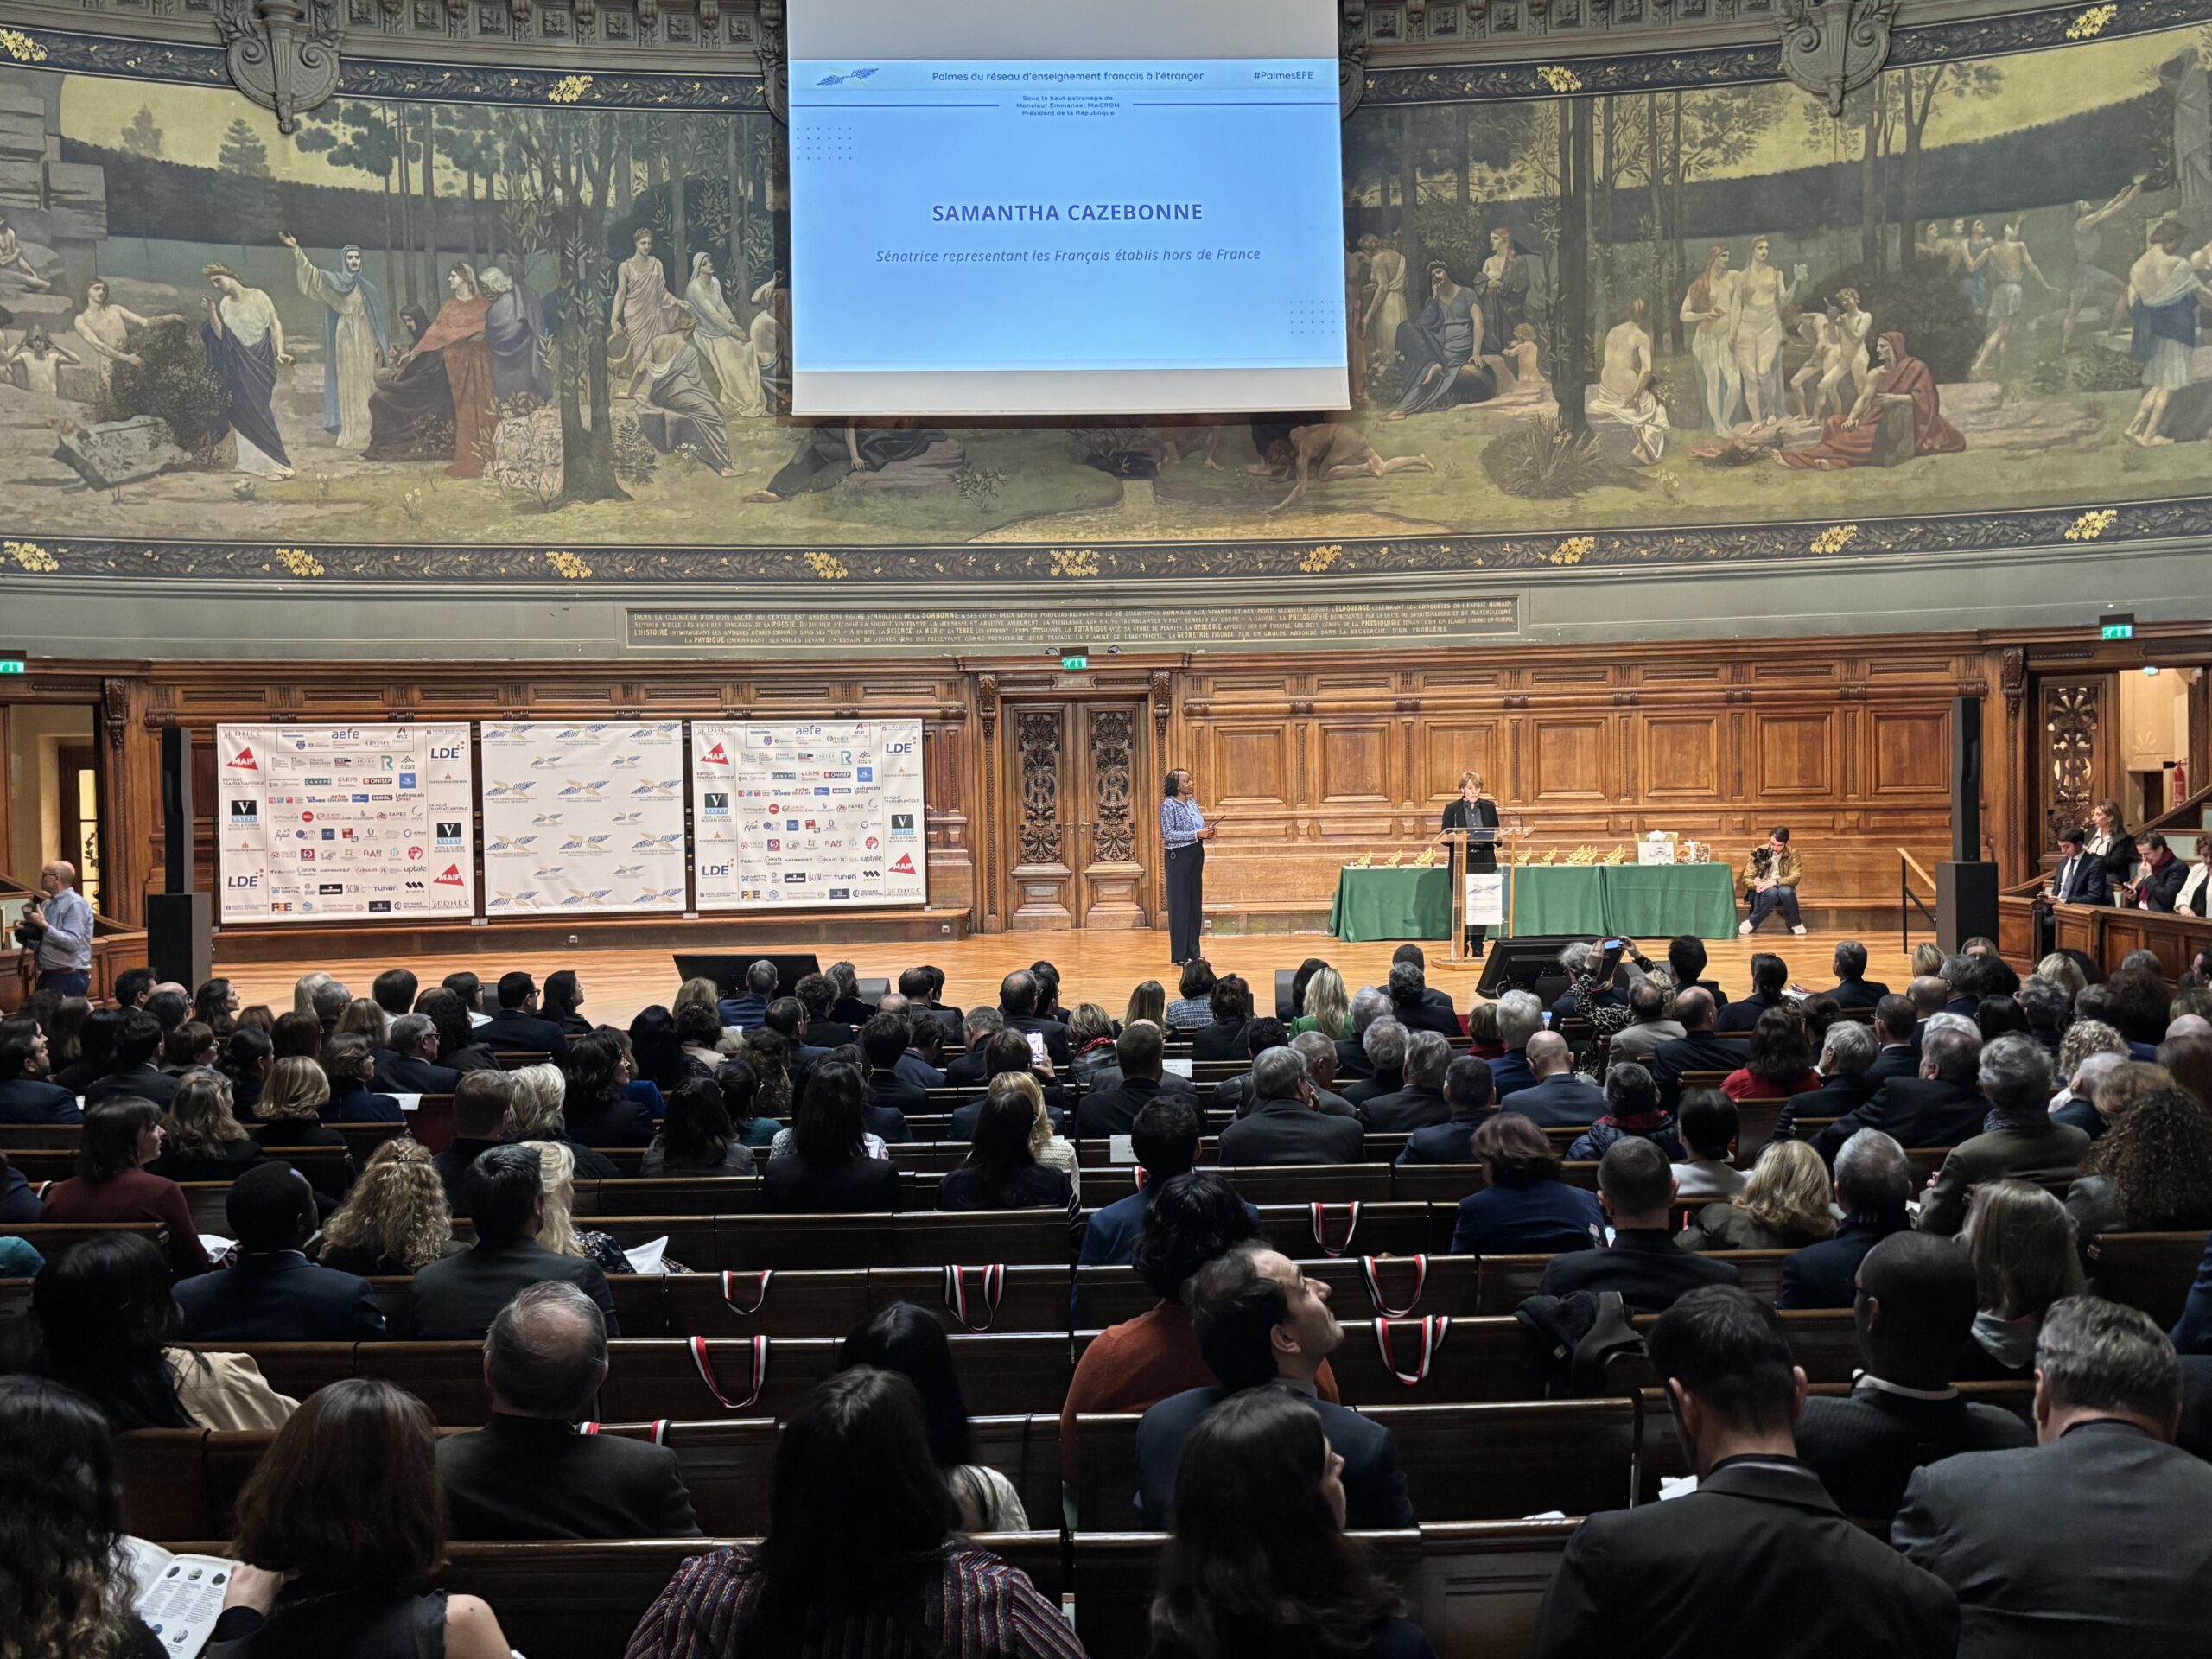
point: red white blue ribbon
(759, 1295)
(1433, 1326)
(1367, 1265)
(706, 1369)
(956, 1293)
(1321, 1227)
(657, 1433)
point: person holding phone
(1476, 813)
(1184, 832)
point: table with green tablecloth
(1636, 901)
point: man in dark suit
(414, 1068)
(1727, 1569)
(1852, 989)
(1385, 1043)
(1915, 1309)
(1635, 1187)
(1846, 1053)
(1520, 1016)
(1897, 1041)
(921, 987)
(2159, 879)
(1414, 954)
(1942, 1107)
(2081, 877)
(527, 1473)
(26, 1096)
(1696, 1050)
(1559, 1098)
(916, 1063)
(1409, 1001)
(1285, 1127)
(1114, 1110)
(1873, 1181)
(1235, 1094)
(1320, 1057)
(1166, 1142)
(456, 1297)
(2092, 1541)
(133, 1072)
(750, 1006)
(816, 996)
(1261, 1323)
(890, 1096)
(479, 1107)
(1018, 1007)
(516, 1029)
(965, 1070)
(1008, 1051)
(1770, 978)
(1467, 1091)
(1368, 1004)
(272, 1292)
(1420, 1103)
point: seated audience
(1222, 1036)
(1729, 1568)
(2151, 1174)
(2048, 1009)
(109, 1328)
(538, 1110)
(559, 1233)
(1524, 1208)
(518, 1026)
(1193, 1005)
(1286, 1126)
(120, 1137)
(188, 1045)
(1698, 1049)
(1324, 1005)
(1770, 987)
(413, 1067)
(883, 1041)
(1091, 1033)
(1651, 1022)
(1164, 1142)
(2000, 1016)
(26, 1095)
(1848, 1053)
(340, 1525)
(1873, 1183)
(564, 997)
(901, 1337)
(1915, 1309)
(1420, 1103)
(2189, 1058)
(1468, 1096)
(2025, 1257)
(527, 1473)
(2092, 1541)
(656, 1056)
(455, 1298)
(394, 991)
(1413, 1006)
(1631, 1110)
(467, 989)
(858, 1556)
(1258, 1561)
(18, 1202)
(1784, 1205)
(1368, 1004)
(350, 1064)
(1235, 1094)
(1940, 1107)
(201, 1139)
(1555, 1099)
(1897, 1041)
(1780, 1063)
(1708, 1126)
(1853, 989)
(95, 1050)
(460, 1045)
(756, 1093)
(2088, 1052)
(131, 1071)
(695, 1136)
(1320, 1057)
(1112, 1109)
(297, 1034)
(1636, 1188)
(1002, 1171)
(291, 1116)
(1520, 1017)
(1147, 1002)
(1005, 1051)
(1483, 1039)
(1383, 1041)
(966, 1070)
(2019, 1140)
(396, 1219)
(597, 1110)
(829, 1166)
(479, 1108)
(272, 1292)
(1021, 1005)
(1261, 1323)
(699, 1034)
(750, 1006)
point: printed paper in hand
(180, 1596)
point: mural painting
(1982, 288)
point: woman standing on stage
(1477, 813)
(1184, 831)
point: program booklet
(180, 1596)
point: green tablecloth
(1639, 901)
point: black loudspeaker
(871, 991)
(728, 971)
(176, 812)
(1966, 784)
(179, 937)
(1284, 1011)
(1517, 965)
(1966, 899)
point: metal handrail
(1908, 866)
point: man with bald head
(2188, 1025)
(527, 1473)
(1698, 1049)
(1559, 1098)
(65, 950)
(2080, 1108)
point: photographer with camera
(64, 943)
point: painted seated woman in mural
(457, 334)
(894, 455)
(1440, 352)
(1899, 416)
(411, 412)
(676, 408)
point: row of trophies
(1657, 848)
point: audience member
(1411, 1005)
(1261, 1034)
(467, 989)
(2025, 1257)
(2019, 1138)
(1258, 1561)
(1323, 1004)
(1383, 1041)
(699, 1034)
(1112, 1109)
(1002, 1171)
(1769, 988)
(479, 1111)
(2189, 1058)
(1636, 1188)
(1873, 1183)
(1147, 1002)
(201, 1138)
(1897, 1041)
(900, 1338)
(1780, 1063)
(1784, 1205)
(396, 1218)
(1090, 1032)
(413, 1067)
(1686, 958)
(696, 1136)
(296, 1034)
(455, 1298)
(557, 1231)
(1631, 1108)
(1729, 1567)
(1368, 1004)
(120, 1137)
(394, 991)
(1524, 1208)
(349, 1063)
(1697, 1050)
(1468, 1096)
(1848, 1053)
(95, 1050)
(1555, 1099)
(131, 1071)
(1651, 1022)
(518, 1027)
(564, 998)
(1260, 1321)
(750, 1006)
(2091, 1542)
(272, 1292)
(26, 1095)
(2151, 1174)
(595, 1108)
(1193, 1005)
(1019, 1006)
(291, 1119)
(656, 1056)
(2089, 1050)
(857, 1557)
(527, 1473)
(1420, 1103)
(108, 1327)
(461, 1046)
(828, 1167)
(537, 1111)
(1708, 1126)
(1853, 989)
(1286, 1126)
(1222, 1036)
(1940, 1107)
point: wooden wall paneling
(1570, 758)
(1447, 746)
(1679, 755)
(1908, 753)
(1356, 763)
(1794, 756)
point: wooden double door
(1079, 788)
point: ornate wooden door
(1078, 793)
(2075, 762)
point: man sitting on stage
(1769, 878)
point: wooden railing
(1909, 901)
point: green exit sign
(13, 665)
(1075, 662)
(2119, 629)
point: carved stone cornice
(282, 53)
(1832, 48)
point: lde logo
(445, 752)
(243, 883)
(899, 748)
(243, 761)
(711, 872)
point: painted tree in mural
(140, 135)
(245, 196)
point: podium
(1507, 839)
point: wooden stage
(1096, 965)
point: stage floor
(1095, 966)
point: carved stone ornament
(1163, 702)
(1832, 47)
(986, 703)
(775, 69)
(1351, 56)
(115, 709)
(2013, 665)
(282, 53)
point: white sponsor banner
(339, 822)
(807, 816)
(583, 817)
(1485, 900)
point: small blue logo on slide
(845, 78)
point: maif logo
(717, 756)
(903, 865)
(244, 760)
(451, 878)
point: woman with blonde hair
(557, 1169)
(395, 1220)
(1328, 1008)
(1147, 1002)
(365, 1017)
(1051, 1150)
(2063, 972)
(698, 989)
(1927, 961)
(539, 1113)
(303, 990)
(201, 1138)
(2026, 1255)
(291, 1116)
(1784, 1205)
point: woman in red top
(121, 1135)
(1780, 1062)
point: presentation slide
(1000, 209)
(807, 816)
(323, 824)
(584, 817)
